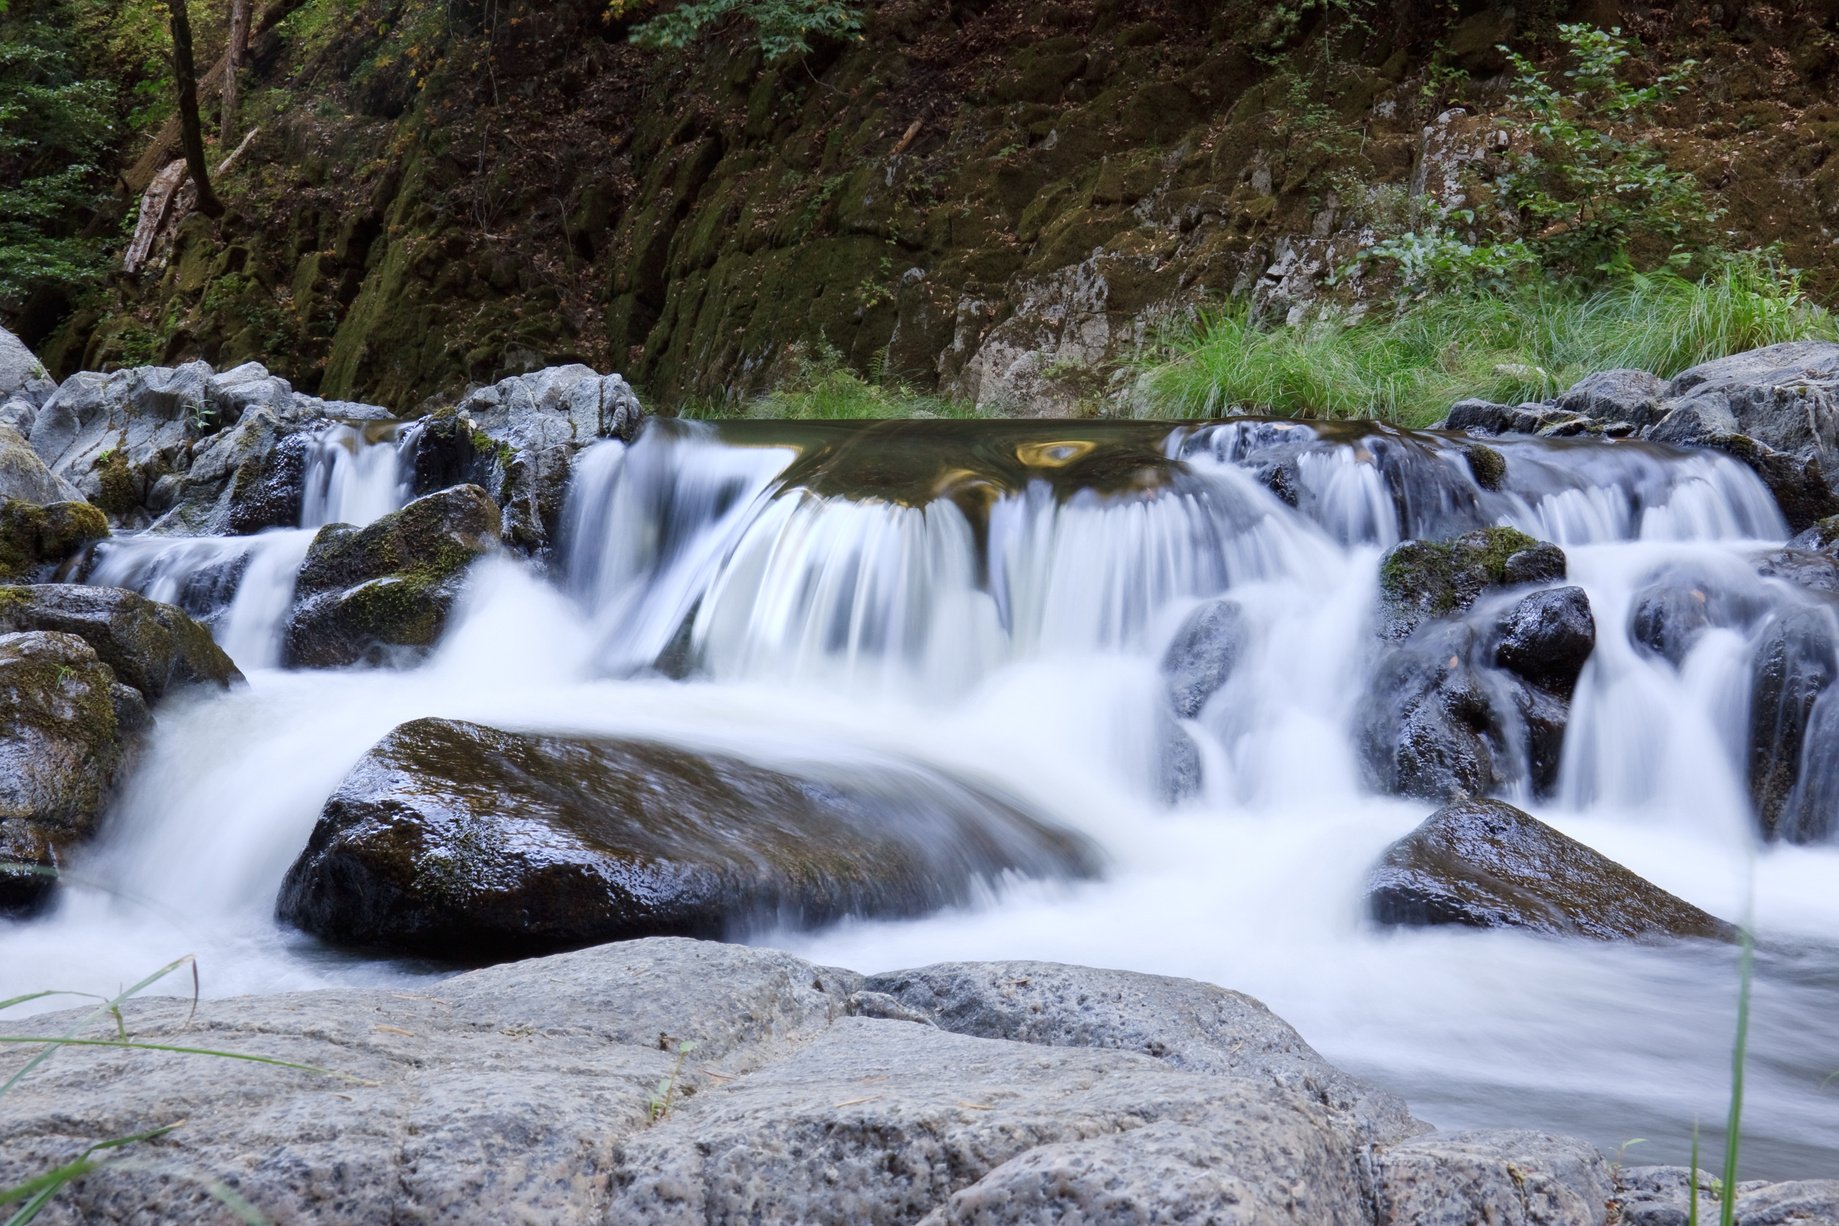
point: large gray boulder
(22, 376)
(68, 731)
(1631, 396)
(518, 438)
(1182, 1022)
(1505, 1176)
(24, 476)
(176, 447)
(473, 844)
(1485, 864)
(382, 593)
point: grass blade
(39, 1190)
(133, 1045)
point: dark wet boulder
(1794, 662)
(1822, 537)
(35, 540)
(1815, 572)
(1433, 726)
(1632, 396)
(1484, 417)
(374, 593)
(151, 646)
(1547, 637)
(1202, 655)
(1485, 864)
(1799, 485)
(1678, 603)
(68, 731)
(470, 843)
(1811, 812)
(268, 493)
(1422, 580)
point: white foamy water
(1009, 637)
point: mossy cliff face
(996, 198)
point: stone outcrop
(470, 843)
(666, 1081)
(1485, 864)
(1776, 409)
(36, 540)
(382, 593)
(151, 646)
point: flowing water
(990, 601)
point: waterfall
(242, 586)
(991, 601)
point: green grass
(1411, 366)
(821, 388)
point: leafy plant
(785, 27)
(666, 1092)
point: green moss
(1488, 466)
(34, 537)
(120, 494)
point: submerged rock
(1421, 580)
(471, 843)
(1203, 654)
(68, 730)
(1795, 661)
(35, 540)
(375, 593)
(1485, 864)
(151, 646)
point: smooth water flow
(991, 602)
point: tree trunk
(234, 55)
(191, 136)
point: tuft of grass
(1412, 365)
(821, 388)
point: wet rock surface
(471, 843)
(1421, 580)
(1793, 663)
(1202, 655)
(1485, 864)
(384, 591)
(151, 646)
(68, 731)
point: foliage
(785, 26)
(821, 388)
(54, 131)
(1411, 366)
(1582, 193)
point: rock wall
(996, 198)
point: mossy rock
(1422, 580)
(1485, 864)
(36, 539)
(151, 646)
(383, 592)
(471, 843)
(68, 731)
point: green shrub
(821, 388)
(1411, 366)
(785, 26)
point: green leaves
(785, 26)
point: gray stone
(472, 843)
(492, 1097)
(1431, 724)
(1485, 864)
(1547, 638)
(1794, 661)
(1182, 1022)
(1421, 580)
(882, 1121)
(151, 646)
(1660, 1196)
(22, 376)
(1509, 1178)
(68, 731)
(1631, 396)
(536, 422)
(1788, 364)
(24, 476)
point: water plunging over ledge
(989, 601)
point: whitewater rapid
(1010, 636)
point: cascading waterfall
(243, 586)
(991, 601)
